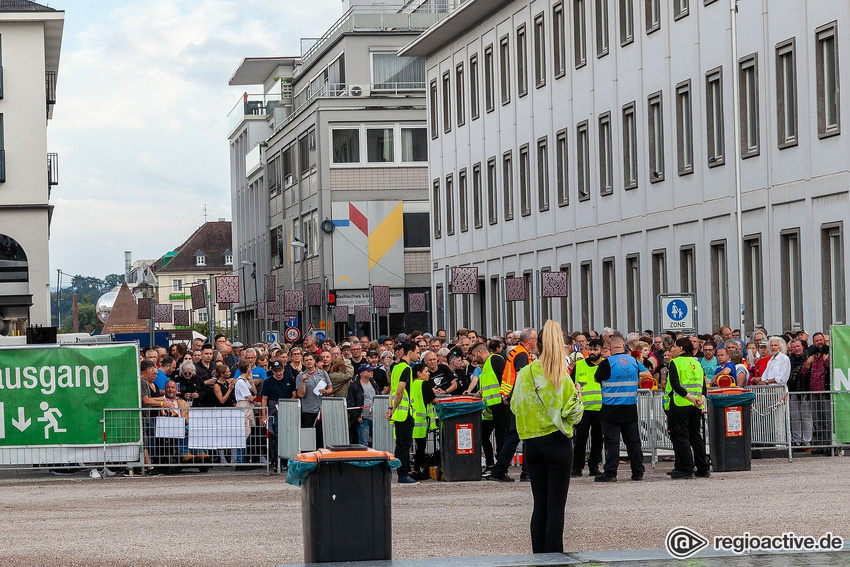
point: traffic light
(331, 297)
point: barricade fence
(816, 422)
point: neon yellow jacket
(545, 410)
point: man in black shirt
(442, 379)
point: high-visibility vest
(509, 375)
(691, 379)
(401, 412)
(591, 390)
(420, 412)
(621, 388)
(488, 383)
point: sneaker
(107, 473)
(524, 478)
(605, 478)
(153, 472)
(680, 474)
(500, 477)
(702, 474)
(94, 474)
(637, 476)
(132, 472)
(575, 473)
(407, 480)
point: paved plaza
(225, 518)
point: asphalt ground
(246, 518)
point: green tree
(87, 316)
(113, 280)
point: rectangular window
(543, 174)
(521, 61)
(463, 199)
(559, 40)
(379, 145)
(508, 185)
(495, 304)
(433, 100)
(505, 69)
(601, 28)
(659, 273)
(473, 87)
(681, 8)
(653, 15)
(609, 293)
(579, 33)
(489, 88)
(414, 145)
(586, 284)
(562, 168)
(826, 65)
(687, 269)
(450, 206)
(627, 22)
(346, 145)
(633, 298)
(447, 102)
(583, 161)
(393, 73)
(719, 285)
(753, 284)
(684, 129)
(606, 161)
(273, 175)
(288, 164)
(539, 51)
(492, 192)
(655, 129)
(832, 275)
(566, 304)
(477, 216)
(304, 155)
(417, 232)
(176, 285)
(630, 150)
(714, 117)
(436, 208)
(748, 99)
(459, 95)
(792, 280)
(786, 93)
(524, 181)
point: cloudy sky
(140, 118)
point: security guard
(399, 411)
(492, 368)
(424, 418)
(619, 375)
(591, 422)
(686, 383)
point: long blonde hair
(553, 353)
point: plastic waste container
(730, 430)
(460, 437)
(345, 503)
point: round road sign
(292, 334)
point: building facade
(602, 138)
(30, 42)
(331, 185)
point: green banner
(840, 363)
(56, 395)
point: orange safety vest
(509, 376)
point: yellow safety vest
(401, 412)
(488, 383)
(424, 416)
(591, 390)
(690, 376)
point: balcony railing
(251, 105)
(1, 81)
(50, 86)
(52, 169)
(2, 166)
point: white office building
(30, 41)
(602, 138)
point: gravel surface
(225, 518)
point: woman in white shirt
(246, 392)
(779, 366)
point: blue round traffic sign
(677, 310)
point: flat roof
(255, 70)
(461, 20)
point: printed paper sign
(734, 425)
(463, 431)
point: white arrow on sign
(2, 422)
(22, 422)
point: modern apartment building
(605, 139)
(329, 169)
(30, 42)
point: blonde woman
(547, 406)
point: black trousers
(487, 428)
(419, 454)
(508, 450)
(549, 459)
(589, 426)
(631, 438)
(403, 442)
(688, 444)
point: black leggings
(549, 460)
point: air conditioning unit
(358, 90)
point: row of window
(280, 168)
(378, 144)
(832, 275)
(826, 58)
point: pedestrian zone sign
(676, 312)
(56, 396)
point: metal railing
(50, 87)
(258, 105)
(52, 169)
(2, 166)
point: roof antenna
(205, 213)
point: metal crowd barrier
(813, 422)
(771, 421)
(334, 421)
(382, 429)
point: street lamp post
(298, 244)
(256, 293)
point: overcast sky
(140, 118)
